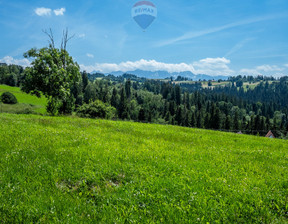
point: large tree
(52, 73)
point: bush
(8, 98)
(96, 109)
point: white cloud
(286, 65)
(269, 68)
(43, 11)
(82, 35)
(213, 66)
(59, 12)
(210, 66)
(10, 60)
(273, 70)
(90, 55)
(47, 11)
(252, 72)
(279, 74)
(148, 65)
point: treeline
(11, 75)
(167, 103)
(251, 79)
(274, 93)
(230, 108)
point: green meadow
(26, 103)
(73, 170)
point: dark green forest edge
(230, 107)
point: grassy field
(214, 84)
(26, 102)
(72, 170)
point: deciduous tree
(53, 72)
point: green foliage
(90, 93)
(128, 88)
(96, 109)
(8, 98)
(84, 80)
(178, 94)
(114, 98)
(63, 170)
(53, 73)
(11, 74)
(239, 83)
(123, 110)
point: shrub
(96, 109)
(8, 98)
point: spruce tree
(228, 122)
(236, 121)
(128, 88)
(179, 115)
(123, 106)
(194, 121)
(114, 98)
(141, 116)
(178, 94)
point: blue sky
(215, 37)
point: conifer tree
(228, 122)
(123, 106)
(178, 94)
(128, 88)
(114, 98)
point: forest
(232, 108)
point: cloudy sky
(215, 37)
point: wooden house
(270, 135)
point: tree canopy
(53, 73)
(8, 98)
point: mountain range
(165, 74)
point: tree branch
(65, 39)
(51, 37)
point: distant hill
(165, 74)
(26, 102)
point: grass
(251, 86)
(72, 170)
(25, 104)
(205, 83)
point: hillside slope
(80, 170)
(25, 101)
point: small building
(270, 135)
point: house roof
(270, 135)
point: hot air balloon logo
(144, 13)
